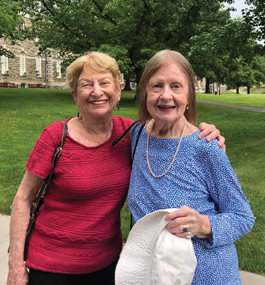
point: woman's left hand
(212, 133)
(187, 222)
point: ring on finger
(185, 229)
(189, 235)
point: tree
(255, 16)
(240, 74)
(9, 22)
(212, 53)
(131, 31)
(259, 70)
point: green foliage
(132, 31)
(225, 53)
(9, 22)
(259, 69)
(241, 73)
(255, 16)
(119, 52)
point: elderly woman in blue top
(172, 168)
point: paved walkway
(260, 110)
(247, 278)
(4, 242)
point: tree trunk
(127, 86)
(237, 90)
(138, 74)
(207, 86)
(248, 88)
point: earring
(78, 113)
(187, 107)
(118, 105)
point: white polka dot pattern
(200, 178)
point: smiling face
(167, 95)
(96, 94)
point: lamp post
(46, 69)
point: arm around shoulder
(211, 132)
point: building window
(4, 63)
(38, 65)
(58, 68)
(21, 27)
(22, 64)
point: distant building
(200, 87)
(28, 68)
(222, 89)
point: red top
(78, 228)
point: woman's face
(96, 93)
(167, 94)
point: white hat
(153, 256)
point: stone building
(200, 87)
(28, 68)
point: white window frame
(21, 27)
(38, 65)
(22, 64)
(122, 78)
(4, 64)
(58, 68)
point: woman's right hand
(19, 220)
(17, 275)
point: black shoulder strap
(138, 136)
(55, 157)
(124, 133)
(134, 150)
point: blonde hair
(159, 60)
(98, 61)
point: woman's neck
(161, 130)
(97, 126)
(90, 132)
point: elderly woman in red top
(77, 237)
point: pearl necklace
(147, 159)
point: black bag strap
(124, 133)
(138, 136)
(134, 150)
(55, 157)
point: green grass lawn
(252, 100)
(254, 90)
(25, 112)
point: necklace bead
(173, 159)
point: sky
(239, 5)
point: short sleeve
(40, 158)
